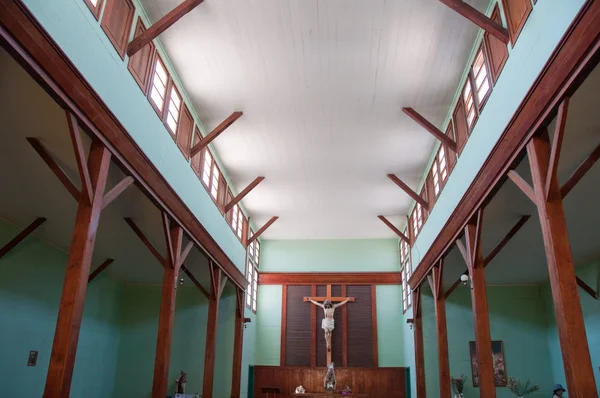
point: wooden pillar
(238, 342)
(441, 331)
(173, 236)
(216, 287)
(567, 308)
(419, 347)
(481, 317)
(66, 336)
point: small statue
(180, 383)
(300, 390)
(329, 382)
(347, 391)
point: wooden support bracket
(588, 289)
(215, 133)
(393, 228)
(559, 132)
(437, 133)
(21, 236)
(262, 229)
(242, 194)
(99, 269)
(418, 198)
(479, 19)
(523, 185)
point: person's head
(327, 304)
(559, 390)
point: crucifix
(329, 308)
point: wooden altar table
(326, 395)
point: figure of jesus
(328, 323)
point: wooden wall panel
(450, 155)
(497, 51)
(324, 278)
(297, 326)
(197, 160)
(460, 125)
(141, 63)
(336, 354)
(377, 383)
(184, 132)
(116, 23)
(516, 12)
(360, 328)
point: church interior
(318, 198)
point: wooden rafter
(21, 236)
(215, 133)
(522, 184)
(463, 252)
(161, 25)
(578, 174)
(262, 229)
(587, 288)
(172, 255)
(99, 269)
(145, 240)
(559, 132)
(54, 167)
(479, 19)
(84, 174)
(393, 228)
(194, 280)
(437, 133)
(418, 198)
(117, 190)
(242, 194)
(186, 251)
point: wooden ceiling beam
(215, 133)
(117, 190)
(242, 194)
(99, 269)
(479, 19)
(522, 184)
(437, 133)
(559, 132)
(195, 281)
(21, 236)
(84, 173)
(161, 25)
(54, 167)
(262, 229)
(587, 288)
(145, 240)
(581, 171)
(393, 228)
(409, 191)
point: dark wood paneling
(377, 383)
(116, 23)
(573, 59)
(197, 159)
(516, 12)
(450, 156)
(497, 51)
(184, 131)
(298, 326)
(323, 278)
(336, 338)
(141, 63)
(360, 328)
(460, 124)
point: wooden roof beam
(559, 132)
(437, 133)
(523, 185)
(262, 229)
(581, 171)
(161, 25)
(99, 269)
(21, 236)
(418, 198)
(393, 228)
(242, 194)
(479, 19)
(215, 133)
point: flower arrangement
(458, 383)
(520, 391)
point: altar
(327, 395)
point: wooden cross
(333, 300)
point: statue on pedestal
(180, 383)
(329, 381)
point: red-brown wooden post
(567, 308)
(66, 336)
(173, 236)
(441, 331)
(211, 331)
(238, 343)
(419, 347)
(481, 317)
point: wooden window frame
(450, 154)
(120, 43)
(95, 9)
(480, 102)
(516, 32)
(196, 133)
(159, 111)
(142, 81)
(252, 290)
(172, 87)
(471, 126)
(489, 39)
(405, 272)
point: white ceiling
(321, 84)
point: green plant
(458, 383)
(520, 391)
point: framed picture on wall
(499, 364)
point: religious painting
(498, 360)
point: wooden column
(238, 342)
(441, 330)
(66, 336)
(173, 236)
(481, 317)
(567, 308)
(216, 287)
(419, 347)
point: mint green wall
(248, 352)
(390, 326)
(268, 325)
(409, 352)
(31, 278)
(517, 317)
(542, 32)
(72, 26)
(366, 255)
(590, 273)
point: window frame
(252, 286)
(172, 88)
(119, 43)
(480, 102)
(471, 125)
(142, 81)
(405, 272)
(95, 9)
(159, 111)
